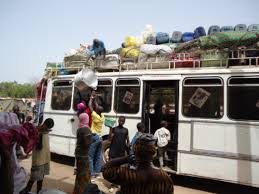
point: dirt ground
(62, 178)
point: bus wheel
(106, 149)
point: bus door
(161, 103)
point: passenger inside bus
(156, 115)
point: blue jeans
(39, 112)
(95, 157)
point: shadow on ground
(63, 159)
(55, 184)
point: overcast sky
(33, 32)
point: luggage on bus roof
(240, 27)
(226, 28)
(162, 37)
(253, 27)
(176, 37)
(213, 29)
(187, 36)
(198, 32)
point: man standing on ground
(119, 137)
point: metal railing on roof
(216, 59)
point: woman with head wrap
(84, 139)
(145, 179)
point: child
(40, 157)
(119, 137)
(163, 136)
(141, 130)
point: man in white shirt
(163, 136)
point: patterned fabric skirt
(38, 172)
(83, 177)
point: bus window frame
(127, 85)
(72, 90)
(111, 85)
(239, 85)
(203, 85)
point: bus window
(203, 97)
(61, 95)
(104, 94)
(243, 98)
(81, 95)
(127, 95)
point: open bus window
(203, 97)
(103, 95)
(80, 95)
(61, 95)
(243, 98)
(127, 96)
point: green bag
(229, 40)
(109, 122)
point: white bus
(213, 115)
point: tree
(16, 90)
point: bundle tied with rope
(221, 40)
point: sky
(34, 32)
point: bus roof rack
(112, 63)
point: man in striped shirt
(145, 179)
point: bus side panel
(223, 151)
(59, 145)
(63, 134)
(184, 136)
(227, 138)
(231, 170)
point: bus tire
(106, 148)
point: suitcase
(213, 29)
(187, 36)
(253, 27)
(151, 39)
(240, 27)
(198, 32)
(162, 38)
(176, 37)
(226, 28)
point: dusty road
(62, 178)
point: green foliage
(16, 90)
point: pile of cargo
(194, 49)
(217, 47)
